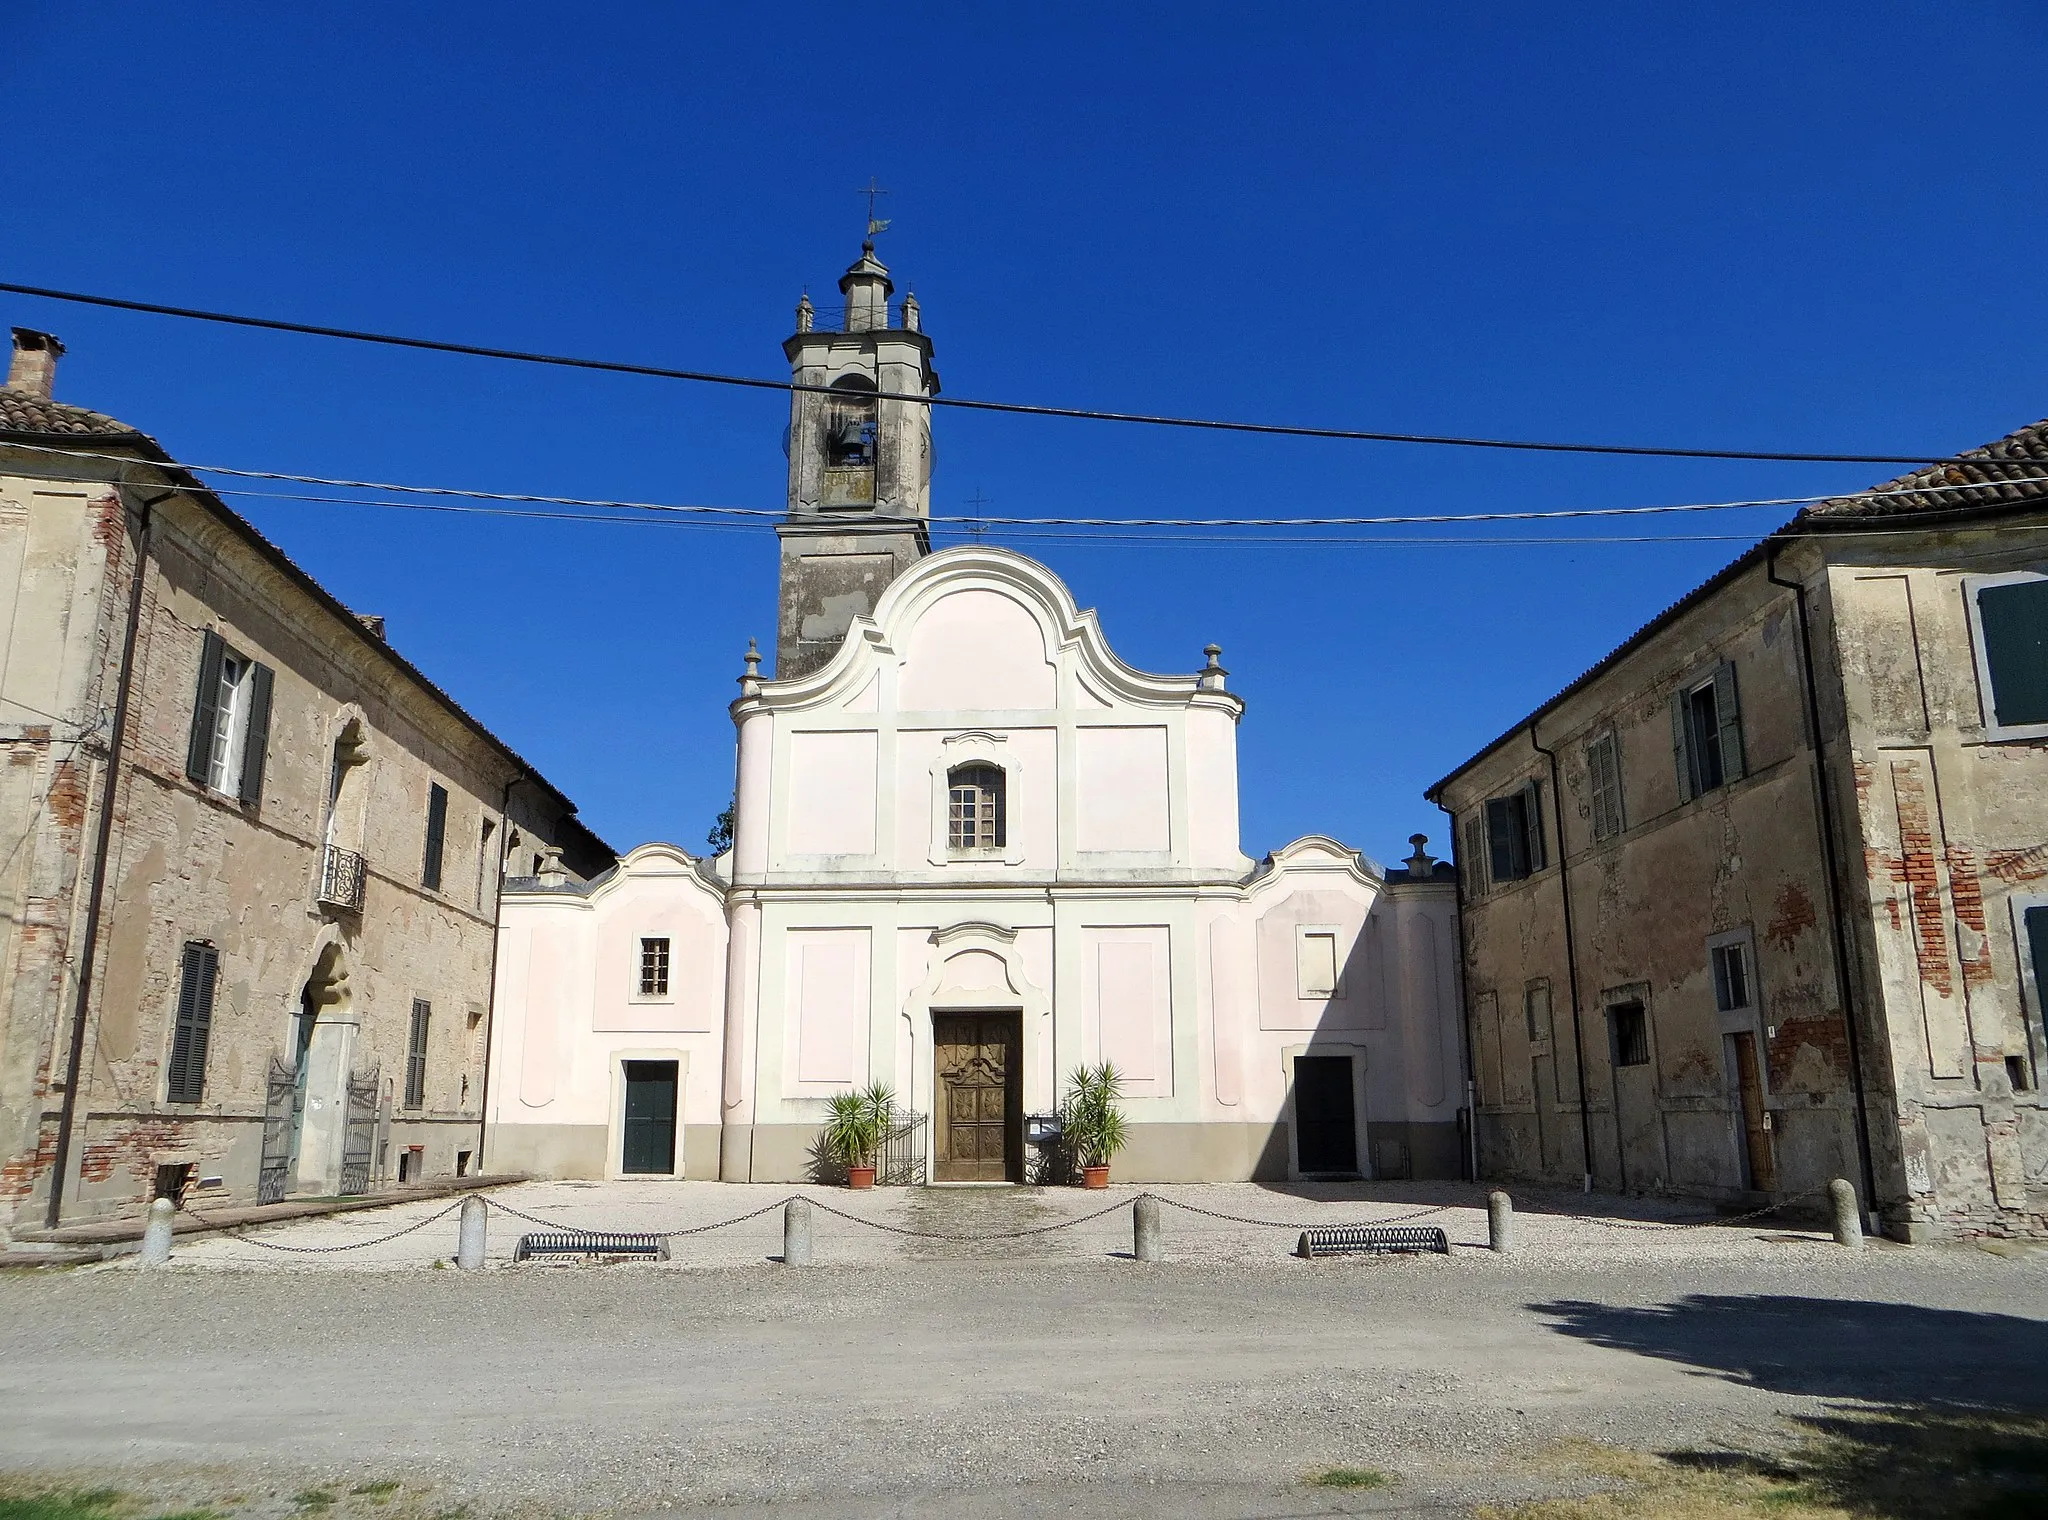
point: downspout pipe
(483, 1123)
(1571, 967)
(1465, 1040)
(74, 1066)
(1831, 860)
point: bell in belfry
(849, 441)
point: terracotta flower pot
(1095, 1176)
(860, 1176)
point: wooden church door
(979, 1081)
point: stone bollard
(1848, 1215)
(1145, 1230)
(156, 1236)
(796, 1233)
(469, 1238)
(1500, 1222)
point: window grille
(200, 973)
(974, 819)
(654, 968)
(1731, 978)
(1631, 1031)
(1603, 771)
(416, 1054)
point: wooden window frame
(656, 958)
(988, 807)
(1609, 810)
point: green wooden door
(650, 1117)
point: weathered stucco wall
(1954, 848)
(189, 864)
(1740, 860)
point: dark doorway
(979, 1083)
(650, 1118)
(1762, 1169)
(1324, 1115)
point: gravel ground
(1040, 1375)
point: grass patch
(313, 1498)
(1349, 1477)
(378, 1491)
(1892, 1466)
(61, 1504)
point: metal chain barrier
(353, 1245)
(701, 1229)
(1283, 1224)
(1699, 1219)
(1043, 1229)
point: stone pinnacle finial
(1213, 672)
(1421, 865)
(750, 679)
(805, 313)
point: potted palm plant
(1091, 1124)
(855, 1128)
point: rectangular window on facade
(975, 811)
(437, 836)
(1536, 1011)
(198, 975)
(1731, 977)
(1315, 963)
(230, 722)
(1514, 833)
(1603, 779)
(2010, 629)
(1629, 1025)
(416, 1054)
(1706, 734)
(654, 968)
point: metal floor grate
(590, 1243)
(1376, 1239)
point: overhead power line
(776, 514)
(962, 403)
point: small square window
(1731, 978)
(654, 967)
(1631, 1032)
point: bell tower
(860, 462)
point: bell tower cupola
(860, 461)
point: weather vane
(871, 190)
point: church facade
(972, 850)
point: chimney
(33, 370)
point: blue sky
(1805, 227)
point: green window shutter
(1532, 822)
(1472, 860)
(186, 1079)
(2037, 941)
(2013, 619)
(1502, 845)
(1728, 713)
(205, 707)
(416, 1054)
(256, 736)
(437, 834)
(1681, 747)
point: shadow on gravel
(1831, 1348)
(1960, 1418)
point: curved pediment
(982, 628)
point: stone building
(972, 850)
(249, 856)
(1769, 884)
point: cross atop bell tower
(860, 459)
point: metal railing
(341, 878)
(900, 1163)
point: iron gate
(280, 1118)
(359, 1140)
(901, 1162)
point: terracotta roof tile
(21, 412)
(2018, 456)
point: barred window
(974, 819)
(654, 967)
(1630, 1029)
